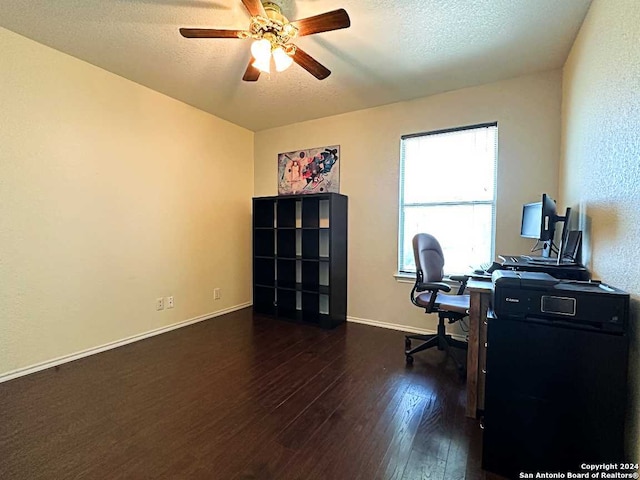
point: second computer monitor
(539, 219)
(549, 218)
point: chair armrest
(459, 278)
(463, 282)
(432, 286)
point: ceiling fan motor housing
(274, 27)
(274, 11)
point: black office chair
(426, 293)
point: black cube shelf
(300, 258)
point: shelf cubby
(323, 243)
(264, 242)
(323, 214)
(310, 275)
(264, 215)
(298, 272)
(310, 212)
(264, 300)
(323, 274)
(286, 273)
(310, 307)
(298, 221)
(286, 303)
(323, 304)
(264, 272)
(286, 243)
(286, 213)
(310, 243)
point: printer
(580, 304)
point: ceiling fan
(273, 33)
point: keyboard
(536, 258)
(486, 266)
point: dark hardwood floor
(243, 397)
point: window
(447, 189)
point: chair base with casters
(440, 340)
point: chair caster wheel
(409, 359)
(407, 344)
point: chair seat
(453, 303)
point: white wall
(110, 195)
(527, 110)
(600, 169)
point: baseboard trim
(402, 328)
(118, 343)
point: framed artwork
(314, 170)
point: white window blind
(447, 189)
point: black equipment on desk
(556, 381)
(563, 270)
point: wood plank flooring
(243, 397)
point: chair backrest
(429, 257)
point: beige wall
(110, 195)
(527, 110)
(600, 171)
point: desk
(480, 296)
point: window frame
(401, 204)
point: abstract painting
(314, 170)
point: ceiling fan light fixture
(261, 50)
(263, 64)
(281, 59)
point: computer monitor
(539, 221)
(531, 220)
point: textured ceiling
(394, 50)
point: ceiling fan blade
(208, 33)
(255, 7)
(324, 22)
(252, 73)
(310, 64)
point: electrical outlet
(160, 303)
(216, 294)
(170, 302)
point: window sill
(402, 277)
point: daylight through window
(447, 189)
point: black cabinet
(300, 258)
(555, 397)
